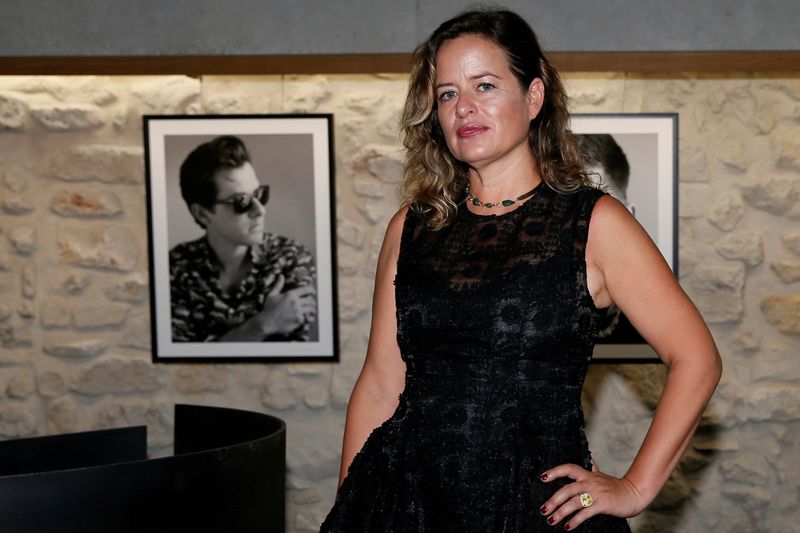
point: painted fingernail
(566, 527)
(551, 520)
(543, 477)
(543, 510)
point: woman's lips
(470, 130)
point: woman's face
(226, 224)
(483, 112)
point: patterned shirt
(202, 311)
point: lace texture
(496, 326)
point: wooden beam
(644, 62)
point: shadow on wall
(619, 403)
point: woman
(236, 283)
(488, 290)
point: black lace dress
(496, 326)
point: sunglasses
(242, 203)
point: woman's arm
(624, 266)
(376, 392)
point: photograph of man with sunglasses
(238, 282)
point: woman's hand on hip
(607, 495)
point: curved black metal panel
(235, 485)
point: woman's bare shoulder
(394, 230)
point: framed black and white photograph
(634, 157)
(242, 238)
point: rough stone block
(157, 417)
(99, 315)
(788, 271)
(354, 297)
(788, 146)
(76, 282)
(68, 117)
(734, 154)
(104, 163)
(694, 164)
(310, 519)
(369, 187)
(14, 178)
(137, 333)
(16, 421)
(745, 339)
(5, 261)
(72, 348)
(778, 195)
(167, 94)
(348, 260)
(278, 391)
(317, 391)
(117, 376)
(342, 381)
(777, 361)
(20, 384)
(114, 248)
(90, 204)
(350, 233)
(718, 292)
(385, 162)
(766, 118)
(23, 239)
(775, 402)
(62, 416)
(5, 312)
(316, 457)
(305, 496)
(55, 314)
(373, 211)
(13, 111)
(305, 93)
(26, 309)
(17, 206)
(363, 103)
(51, 384)
(783, 312)
(727, 211)
(196, 379)
(29, 282)
(133, 289)
(748, 247)
(16, 336)
(792, 241)
(234, 95)
(694, 200)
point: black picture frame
(294, 154)
(649, 143)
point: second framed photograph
(241, 221)
(634, 157)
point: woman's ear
(535, 98)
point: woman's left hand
(609, 495)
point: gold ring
(586, 499)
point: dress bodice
(500, 297)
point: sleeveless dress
(496, 327)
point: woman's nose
(464, 106)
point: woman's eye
(485, 86)
(447, 95)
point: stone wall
(74, 317)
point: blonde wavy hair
(434, 181)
